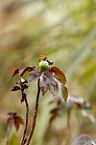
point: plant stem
(26, 125)
(35, 115)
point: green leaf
(64, 92)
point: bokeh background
(63, 30)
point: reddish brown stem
(35, 115)
(26, 125)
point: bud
(43, 65)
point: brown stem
(35, 115)
(26, 125)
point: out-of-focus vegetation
(63, 30)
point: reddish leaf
(18, 121)
(14, 119)
(61, 76)
(15, 72)
(21, 72)
(26, 69)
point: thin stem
(26, 125)
(35, 115)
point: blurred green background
(63, 30)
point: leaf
(64, 92)
(79, 102)
(34, 76)
(51, 78)
(21, 72)
(44, 83)
(26, 69)
(18, 121)
(53, 82)
(15, 72)
(10, 118)
(14, 119)
(48, 82)
(15, 88)
(61, 76)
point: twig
(35, 115)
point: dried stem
(26, 125)
(35, 115)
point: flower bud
(43, 65)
